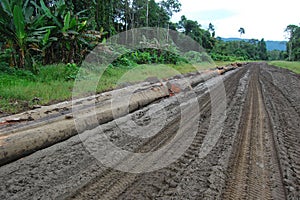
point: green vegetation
(293, 66)
(18, 88)
(239, 50)
(33, 34)
(43, 44)
(37, 33)
(54, 83)
(276, 55)
(193, 29)
(293, 46)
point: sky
(260, 18)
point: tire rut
(254, 173)
(166, 176)
(115, 182)
(284, 116)
(164, 183)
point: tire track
(163, 184)
(166, 178)
(285, 119)
(254, 172)
(256, 157)
(115, 182)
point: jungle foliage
(36, 33)
(293, 45)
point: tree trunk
(168, 32)
(22, 58)
(147, 13)
(290, 50)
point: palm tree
(241, 31)
(211, 29)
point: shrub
(71, 71)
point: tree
(211, 29)
(241, 31)
(105, 15)
(275, 55)
(290, 30)
(147, 13)
(194, 30)
(158, 17)
(252, 49)
(262, 49)
(171, 6)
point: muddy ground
(255, 156)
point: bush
(124, 62)
(71, 71)
(5, 56)
(172, 58)
(148, 56)
(141, 57)
(4, 68)
(193, 57)
(219, 57)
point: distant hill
(271, 45)
(276, 45)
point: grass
(54, 83)
(293, 66)
(17, 90)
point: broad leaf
(68, 46)
(81, 12)
(40, 21)
(5, 18)
(73, 23)
(7, 6)
(73, 32)
(66, 22)
(19, 23)
(45, 28)
(25, 5)
(46, 38)
(82, 25)
(28, 11)
(49, 14)
(46, 9)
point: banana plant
(72, 33)
(21, 30)
(51, 34)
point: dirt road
(255, 168)
(248, 149)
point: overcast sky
(260, 18)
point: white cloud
(260, 18)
